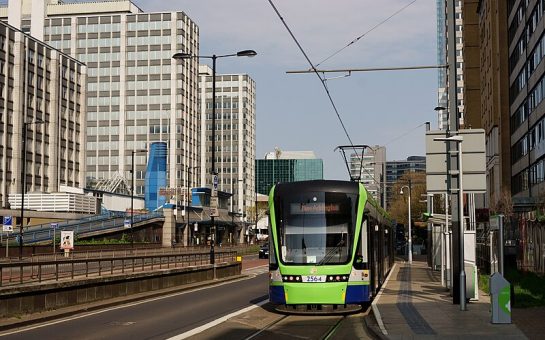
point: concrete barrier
(36, 297)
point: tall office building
(43, 91)
(235, 135)
(136, 93)
(369, 169)
(526, 38)
(287, 166)
(396, 169)
(442, 59)
(442, 99)
(494, 75)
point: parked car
(264, 252)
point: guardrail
(28, 272)
(43, 232)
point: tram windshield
(316, 228)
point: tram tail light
(337, 278)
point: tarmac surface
(411, 305)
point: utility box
(500, 292)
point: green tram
(331, 246)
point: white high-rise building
(235, 135)
(442, 36)
(42, 96)
(136, 93)
(369, 169)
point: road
(223, 311)
(158, 318)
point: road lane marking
(216, 322)
(132, 304)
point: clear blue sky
(293, 112)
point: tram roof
(318, 185)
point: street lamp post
(132, 191)
(182, 56)
(409, 187)
(459, 139)
(233, 202)
(186, 203)
(23, 184)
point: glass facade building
(272, 171)
(156, 175)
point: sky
(293, 111)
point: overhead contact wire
(364, 34)
(313, 68)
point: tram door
(373, 254)
(380, 249)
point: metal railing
(44, 232)
(69, 269)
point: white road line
(29, 328)
(216, 322)
(376, 312)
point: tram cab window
(316, 228)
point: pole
(132, 197)
(445, 246)
(384, 179)
(410, 226)
(461, 245)
(186, 202)
(452, 147)
(212, 218)
(23, 187)
(500, 241)
(256, 216)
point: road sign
(7, 224)
(214, 201)
(54, 225)
(215, 181)
(474, 161)
(67, 239)
(127, 223)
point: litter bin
(500, 293)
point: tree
(399, 207)
(504, 204)
(262, 208)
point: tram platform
(414, 305)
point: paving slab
(414, 305)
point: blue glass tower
(156, 175)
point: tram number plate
(314, 278)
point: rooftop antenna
(358, 151)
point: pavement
(414, 305)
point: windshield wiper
(331, 252)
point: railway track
(318, 327)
